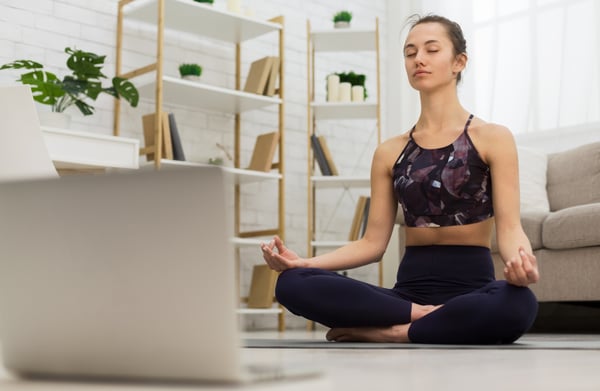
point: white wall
(41, 29)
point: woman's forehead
(426, 32)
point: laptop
(122, 276)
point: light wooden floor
(399, 369)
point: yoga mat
(521, 344)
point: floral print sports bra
(443, 187)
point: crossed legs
(357, 311)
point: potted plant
(204, 1)
(190, 71)
(355, 79)
(83, 85)
(342, 19)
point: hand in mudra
(281, 259)
(523, 271)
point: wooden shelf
(197, 95)
(351, 110)
(200, 19)
(241, 176)
(336, 181)
(244, 242)
(257, 311)
(346, 40)
(79, 150)
(330, 244)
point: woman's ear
(460, 62)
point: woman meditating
(454, 176)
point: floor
(399, 369)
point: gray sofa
(566, 239)
(566, 236)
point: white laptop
(121, 276)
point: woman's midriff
(478, 234)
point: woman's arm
(514, 246)
(368, 249)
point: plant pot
(191, 77)
(52, 119)
(341, 25)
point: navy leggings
(477, 309)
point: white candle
(345, 92)
(358, 93)
(333, 87)
(234, 6)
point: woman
(453, 174)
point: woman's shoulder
(490, 138)
(392, 147)
(489, 131)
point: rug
(592, 343)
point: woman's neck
(441, 110)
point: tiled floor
(400, 369)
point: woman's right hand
(281, 260)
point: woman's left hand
(522, 271)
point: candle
(333, 86)
(234, 6)
(358, 93)
(345, 92)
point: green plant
(84, 82)
(190, 69)
(342, 16)
(355, 79)
(204, 1)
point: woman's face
(429, 57)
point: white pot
(191, 77)
(341, 25)
(52, 119)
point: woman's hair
(452, 28)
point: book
(258, 75)
(264, 150)
(319, 155)
(327, 154)
(365, 218)
(175, 139)
(271, 89)
(149, 133)
(358, 218)
(262, 287)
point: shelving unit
(337, 40)
(207, 22)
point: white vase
(53, 119)
(191, 77)
(341, 25)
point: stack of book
(323, 155)
(361, 216)
(262, 76)
(171, 142)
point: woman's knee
(290, 284)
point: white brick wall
(41, 29)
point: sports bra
(445, 186)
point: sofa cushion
(532, 225)
(578, 226)
(532, 180)
(573, 177)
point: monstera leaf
(83, 84)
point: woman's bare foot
(418, 311)
(397, 333)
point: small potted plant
(204, 1)
(73, 90)
(190, 71)
(342, 19)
